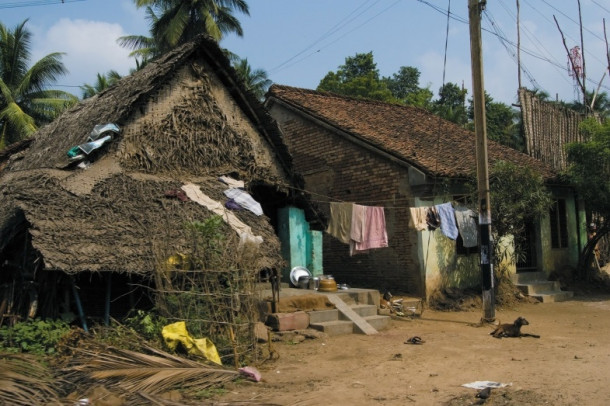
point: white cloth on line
(244, 231)
(244, 199)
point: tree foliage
(518, 196)
(255, 80)
(103, 82)
(502, 123)
(174, 22)
(451, 104)
(589, 166)
(25, 100)
(358, 77)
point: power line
(332, 31)
(34, 3)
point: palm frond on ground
(24, 381)
(136, 372)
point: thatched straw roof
(183, 118)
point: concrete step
(362, 310)
(554, 296)
(355, 296)
(323, 316)
(334, 328)
(379, 322)
(526, 277)
(536, 285)
(320, 316)
(340, 327)
(539, 287)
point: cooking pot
(328, 284)
(303, 282)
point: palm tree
(103, 82)
(255, 80)
(179, 20)
(145, 48)
(25, 101)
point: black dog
(511, 330)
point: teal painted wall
(300, 245)
(557, 259)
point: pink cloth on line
(358, 222)
(374, 234)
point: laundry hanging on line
(452, 222)
(467, 225)
(362, 227)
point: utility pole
(475, 8)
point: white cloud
(90, 48)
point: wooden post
(475, 8)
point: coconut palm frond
(159, 380)
(134, 371)
(24, 381)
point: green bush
(35, 336)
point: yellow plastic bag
(176, 333)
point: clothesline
(328, 199)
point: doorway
(526, 260)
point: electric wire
(34, 3)
(511, 43)
(559, 68)
(340, 37)
(331, 31)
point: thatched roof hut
(184, 118)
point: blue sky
(298, 41)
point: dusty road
(567, 365)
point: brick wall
(336, 169)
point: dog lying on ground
(512, 330)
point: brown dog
(510, 330)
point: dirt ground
(567, 365)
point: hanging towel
(374, 234)
(418, 218)
(357, 227)
(467, 226)
(358, 222)
(340, 223)
(246, 201)
(447, 216)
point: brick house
(379, 154)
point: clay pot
(327, 285)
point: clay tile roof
(424, 140)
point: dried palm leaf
(24, 381)
(138, 372)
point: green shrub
(35, 336)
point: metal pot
(314, 283)
(303, 282)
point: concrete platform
(356, 310)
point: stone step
(346, 312)
(340, 327)
(355, 296)
(539, 287)
(527, 277)
(323, 316)
(536, 285)
(334, 328)
(362, 310)
(554, 296)
(320, 316)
